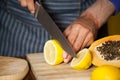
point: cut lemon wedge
(83, 60)
(53, 52)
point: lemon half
(106, 72)
(53, 52)
(83, 60)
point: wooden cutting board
(44, 71)
(13, 68)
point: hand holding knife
(52, 28)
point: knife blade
(47, 22)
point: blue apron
(21, 33)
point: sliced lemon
(83, 60)
(106, 72)
(53, 52)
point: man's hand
(82, 32)
(29, 4)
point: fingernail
(32, 12)
(66, 60)
(64, 55)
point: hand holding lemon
(53, 55)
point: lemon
(53, 52)
(105, 72)
(82, 60)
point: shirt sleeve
(116, 3)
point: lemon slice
(53, 52)
(83, 60)
(105, 72)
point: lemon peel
(83, 60)
(105, 72)
(53, 52)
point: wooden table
(43, 71)
(12, 68)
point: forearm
(99, 12)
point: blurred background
(114, 25)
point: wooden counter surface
(44, 71)
(12, 68)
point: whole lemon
(105, 72)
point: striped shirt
(21, 33)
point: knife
(47, 22)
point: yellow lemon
(53, 52)
(82, 60)
(105, 72)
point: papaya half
(106, 51)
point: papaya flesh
(106, 51)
